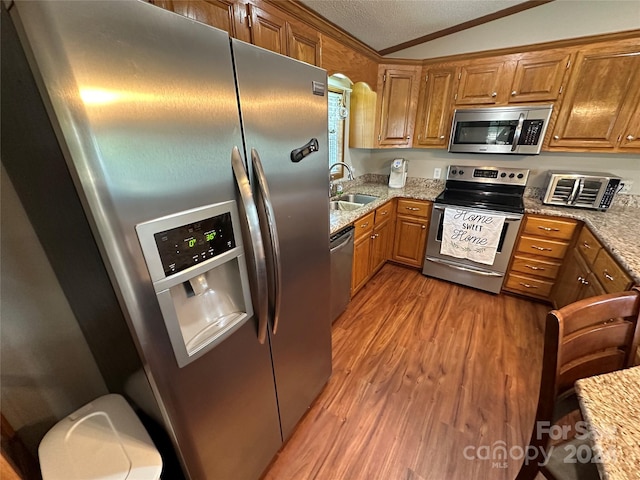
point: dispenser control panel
(187, 245)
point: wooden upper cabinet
(268, 28)
(397, 108)
(480, 83)
(226, 15)
(601, 99)
(303, 43)
(433, 122)
(538, 76)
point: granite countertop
(611, 407)
(618, 229)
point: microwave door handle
(580, 189)
(577, 190)
(516, 136)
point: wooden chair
(586, 338)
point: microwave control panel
(531, 130)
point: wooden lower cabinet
(372, 244)
(412, 226)
(538, 256)
(589, 270)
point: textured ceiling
(386, 23)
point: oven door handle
(465, 269)
(507, 219)
(516, 136)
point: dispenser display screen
(188, 245)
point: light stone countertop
(618, 229)
(611, 406)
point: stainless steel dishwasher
(341, 247)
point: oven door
(468, 272)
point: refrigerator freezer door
(283, 108)
(144, 106)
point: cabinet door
(303, 43)
(599, 98)
(410, 240)
(268, 28)
(361, 259)
(396, 116)
(434, 108)
(217, 13)
(538, 76)
(381, 241)
(571, 284)
(480, 84)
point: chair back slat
(588, 366)
(590, 311)
(607, 335)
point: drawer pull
(423, 227)
(373, 237)
(384, 212)
(607, 276)
(364, 225)
(413, 209)
(526, 285)
(549, 229)
(586, 245)
(532, 267)
(542, 249)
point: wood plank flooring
(421, 369)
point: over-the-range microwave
(512, 130)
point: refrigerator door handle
(263, 189)
(257, 247)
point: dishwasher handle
(347, 238)
(341, 238)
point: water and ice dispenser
(197, 265)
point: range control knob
(520, 175)
(461, 172)
(511, 175)
(502, 175)
(454, 171)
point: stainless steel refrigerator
(177, 180)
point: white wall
(423, 161)
(47, 370)
(558, 20)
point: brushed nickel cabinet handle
(364, 225)
(413, 209)
(494, 94)
(514, 93)
(526, 285)
(586, 245)
(630, 137)
(556, 137)
(441, 137)
(383, 212)
(607, 276)
(373, 237)
(532, 267)
(408, 137)
(424, 227)
(548, 229)
(542, 249)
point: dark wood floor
(422, 369)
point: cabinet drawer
(384, 213)
(416, 208)
(543, 247)
(588, 246)
(608, 272)
(536, 266)
(364, 225)
(528, 285)
(546, 227)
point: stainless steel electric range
(479, 194)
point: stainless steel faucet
(349, 174)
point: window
(337, 125)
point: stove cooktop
(484, 200)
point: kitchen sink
(353, 201)
(344, 206)
(358, 198)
